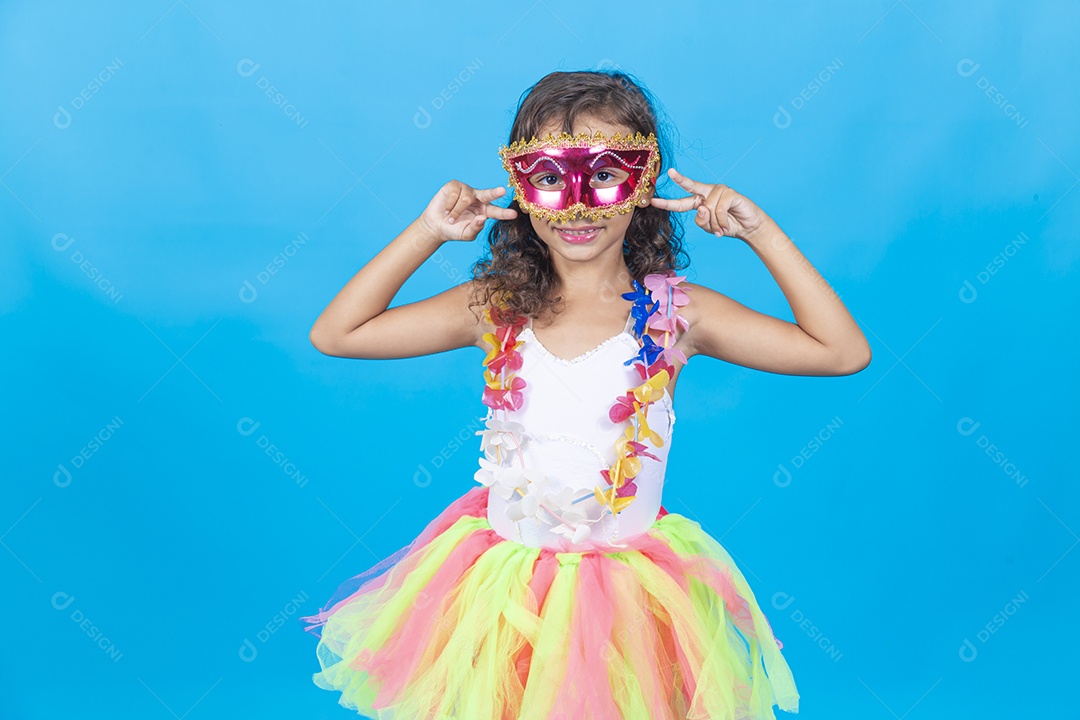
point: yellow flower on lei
(648, 392)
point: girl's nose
(575, 189)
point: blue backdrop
(186, 185)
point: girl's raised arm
(824, 340)
(359, 323)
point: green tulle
(471, 625)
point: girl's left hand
(720, 210)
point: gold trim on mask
(583, 139)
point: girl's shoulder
(698, 299)
(487, 314)
(660, 302)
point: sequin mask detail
(559, 178)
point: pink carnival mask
(592, 176)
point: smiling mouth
(579, 230)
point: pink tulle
(472, 504)
(594, 623)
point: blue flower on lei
(642, 308)
(648, 353)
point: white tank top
(571, 438)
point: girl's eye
(607, 177)
(546, 181)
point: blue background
(170, 233)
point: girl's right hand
(458, 212)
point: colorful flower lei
(503, 391)
(654, 306)
(504, 439)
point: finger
(499, 213)
(489, 194)
(465, 199)
(451, 194)
(691, 186)
(715, 200)
(718, 226)
(471, 229)
(704, 219)
(677, 204)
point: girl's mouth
(578, 236)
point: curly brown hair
(519, 269)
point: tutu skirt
(465, 624)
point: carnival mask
(558, 178)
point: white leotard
(571, 437)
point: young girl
(557, 586)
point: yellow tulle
(456, 630)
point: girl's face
(581, 239)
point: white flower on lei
(502, 480)
(500, 442)
(543, 499)
(540, 495)
(501, 438)
(533, 480)
(576, 535)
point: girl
(558, 586)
